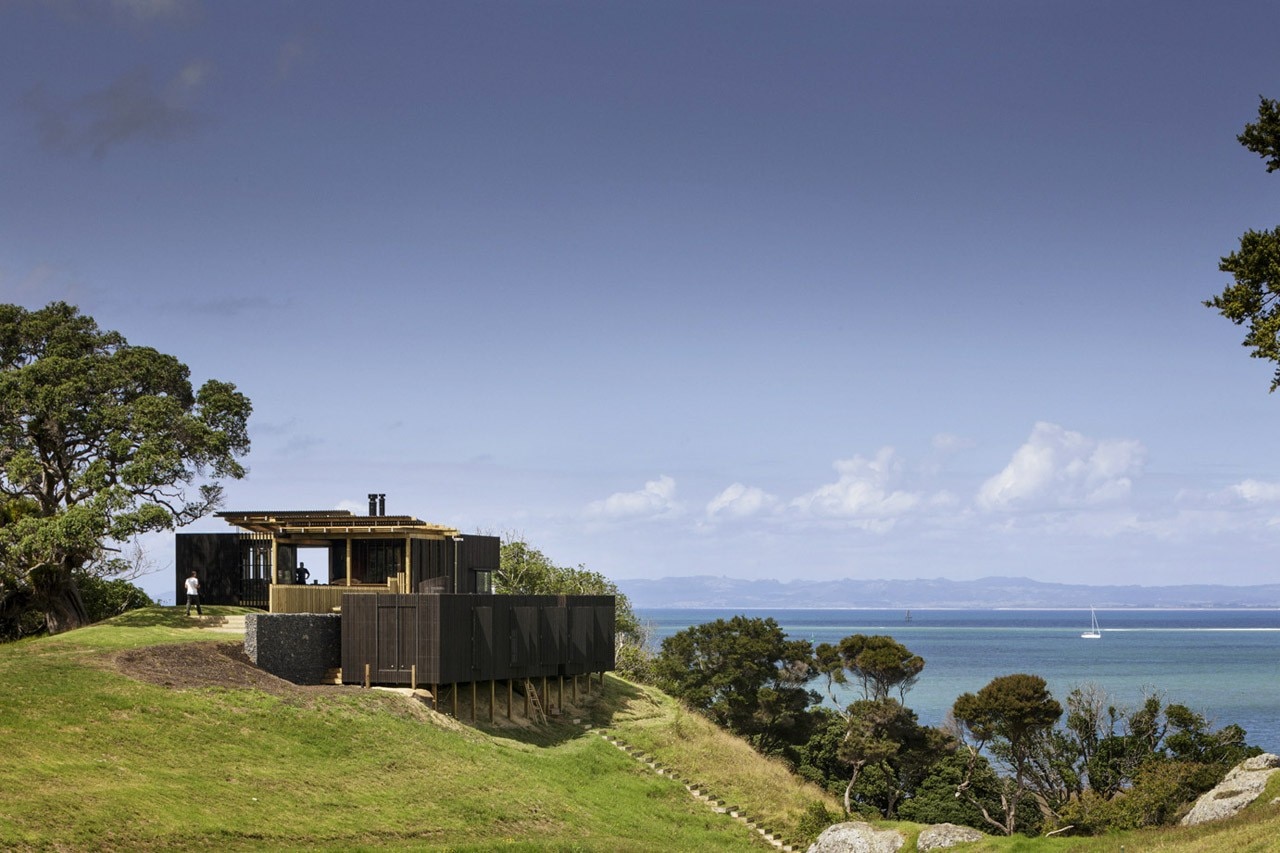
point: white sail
(1093, 633)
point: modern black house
(415, 600)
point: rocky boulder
(857, 837)
(943, 835)
(1238, 788)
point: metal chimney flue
(373, 503)
(382, 504)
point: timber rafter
(336, 523)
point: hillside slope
(146, 733)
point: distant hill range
(984, 593)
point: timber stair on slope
(219, 624)
(697, 791)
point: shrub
(106, 598)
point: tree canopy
(100, 441)
(743, 673)
(878, 663)
(1254, 297)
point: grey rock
(1240, 787)
(857, 837)
(943, 835)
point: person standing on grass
(193, 594)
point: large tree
(1011, 715)
(880, 734)
(745, 675)
(1254, 297)
(100, 441)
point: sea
(1223, 664)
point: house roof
(335, 522)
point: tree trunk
(63, 607)
(848, 789)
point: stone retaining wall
(299, 647)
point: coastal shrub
(1162, 792)
(813, 820)
(1189, 739)
(634, 662)
(818, 758)
(935, 799)
(106, 598)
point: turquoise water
(1224, 664)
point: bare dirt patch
(190, 665)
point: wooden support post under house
(473, 701)
(493, 696)
(510, 697)
(413, 677)
(453, 692)
(544, 694)
(575, 689)
(528, 688)
(366, 676)
(560, 696)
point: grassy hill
(146, 733)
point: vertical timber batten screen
(468, 638)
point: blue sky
(792, 290)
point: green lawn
(95, 760)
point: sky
(748, 289)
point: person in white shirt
(193, 594)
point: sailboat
(1093, 633)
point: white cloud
(1058, 468)
(657, 498)
(740, 501)
(865, 491)
(1256, 491)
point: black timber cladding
(455, 638)
(450, 565)
(216, 558)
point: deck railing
(321, 598)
